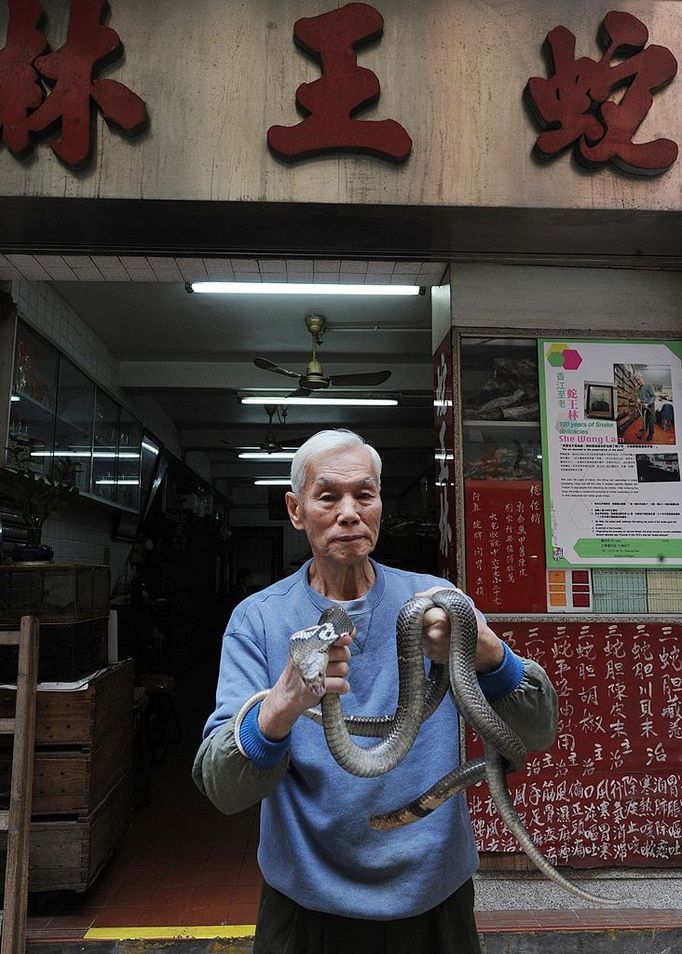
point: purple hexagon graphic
(572, 359)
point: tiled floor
(182, 863)
(632, 434)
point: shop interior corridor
(183, 870)
(180, 863)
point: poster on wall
(611, 452)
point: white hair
(338, 439)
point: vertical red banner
(505, 545)
(444, 454)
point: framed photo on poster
(600, 401)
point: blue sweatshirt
(316, 845)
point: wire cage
(56, 593)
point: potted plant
(37, 497)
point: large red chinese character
(343, 90)
(20, 89)
(574, 106)
(88, 44)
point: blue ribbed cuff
(261, 751)
(506, 678)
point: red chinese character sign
(505, 554)
(609, 791)
(576, 104)
(330, 103)
(27, 112)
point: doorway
(259, 549)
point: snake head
(309, 652)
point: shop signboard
(43, 90)
(609, 791)
(611, 452)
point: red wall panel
(609, 791)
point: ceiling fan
(270, 443)
(314, 378)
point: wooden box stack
(82, 777)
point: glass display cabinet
(73, 430)
(54, 411)
(105, 450)
(30, 439)
(129, 451)
(500, 409)
(502, 474)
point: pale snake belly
(418, 698)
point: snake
(418, 698)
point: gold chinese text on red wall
(28, 111)
(609, 791)
(505, 545)
(330, 103)
(576, 104)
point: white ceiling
(193, 353)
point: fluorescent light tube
(273, 481)
(298, 288)
(346, 402)
(123, 455)
(130, 483)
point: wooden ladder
(17, 821)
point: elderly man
(332, 884)
(646, 398)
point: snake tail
(499, 792)
(451, 784)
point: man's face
(339, 508)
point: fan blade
(370, 379)
(266, 365)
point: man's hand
(290, 696)
(436, 638)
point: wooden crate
(85, 717)
(74, 782)
(67, 854)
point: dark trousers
(284, 927)
(649, 420)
